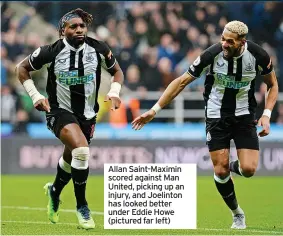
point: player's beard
(237, 51)
(75, 42)
(233, 52)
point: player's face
(75, 31)
(231, 44)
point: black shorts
(57, 118)
(242, 129)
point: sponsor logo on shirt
(219, 64)
(228, 81)
(36, 52)
(197, 61)
(73, 78)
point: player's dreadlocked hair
(85, 16)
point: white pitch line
(244, 230)
(74, 224)
(44, 209)
(36, 222)
(101, 213)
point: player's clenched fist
(264, 122)
(42, 105)
(115, 102)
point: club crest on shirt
(249, 67)
(89, 57)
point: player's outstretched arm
(173, 89)
(272, 89)
(23, 74)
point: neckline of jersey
(72, 48)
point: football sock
(63, 177)
(226, 188)
(235, 167)
(79, 179)
(238, 211)
(80, 171)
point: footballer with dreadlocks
(74, 74)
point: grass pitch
(23, 208)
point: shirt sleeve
(264, 62)
(200, 64)
(40, 57)
(108, 59)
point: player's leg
(66, 127)
(218, 140)
(247, 144)
(222, 178)
(73, 137)
(53, 190)
(63, 175)
(247, 162)
(56, 119)
(245, 166)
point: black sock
(79, 179)
(234, 167)
(61, 180)
(227, 192)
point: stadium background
(154, 43)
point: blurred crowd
(154, 43)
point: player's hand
(115, 102)
(42, 105)
(264, 121)
(143, 119)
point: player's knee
(248, 171)
(80, 158)
(73, 137)
(221, 171)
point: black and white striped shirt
(230, 84)
(74, 75)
